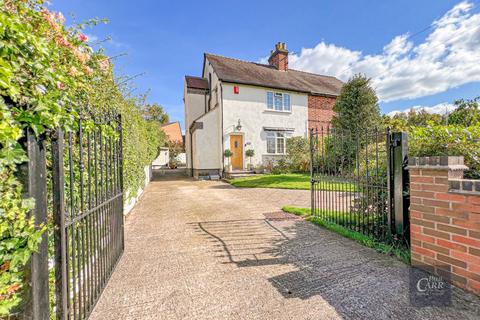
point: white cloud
(441, 108)
(447, 58)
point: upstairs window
(286, 102)
(278, 101)
(269, 100)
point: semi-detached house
(241, 105)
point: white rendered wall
(162, 159)
(194, 108)
(251, 108)
(207, 142)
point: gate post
(61, 289)
(398, 185)
(37, 299)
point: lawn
(297, 181)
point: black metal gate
(88, 210)
(353, 178)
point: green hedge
(448, 140)
(47, 71)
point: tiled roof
(173, 131)
(237, 71)
(196, 82)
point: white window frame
(277, 136)
(284, 97)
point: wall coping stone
(437, 163)
(464, 186)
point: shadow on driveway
(302, 260)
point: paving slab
(207, 250)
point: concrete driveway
(206, 250)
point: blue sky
(166, 41)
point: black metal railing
(88, 210)
(350, 179)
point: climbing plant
(48, 72)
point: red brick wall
(445, 221)
(320, 111)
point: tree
(357, 106)
(422, 118)
(155, 112)
(467, 112)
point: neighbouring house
(241, 105)
(174, 134)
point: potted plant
(250, 153)
(227, 154)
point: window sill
(277, 111)
(274, 154)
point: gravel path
(206, 250)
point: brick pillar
(445, 220)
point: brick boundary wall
(320, 111)
(445, 220)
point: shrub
(280, 167)
(298, 154)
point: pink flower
(104, 65)
(73, 71)
(59, 17)
(88, 70)
(60, 85)
(82, 37)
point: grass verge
(392, 249)
(298, 181)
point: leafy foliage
(155, 112)
(403, 120)
(467, 113)
(174, 150)
(47, 71)
(298, 154)
(430, 135)
(451, 140)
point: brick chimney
(279, 57)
